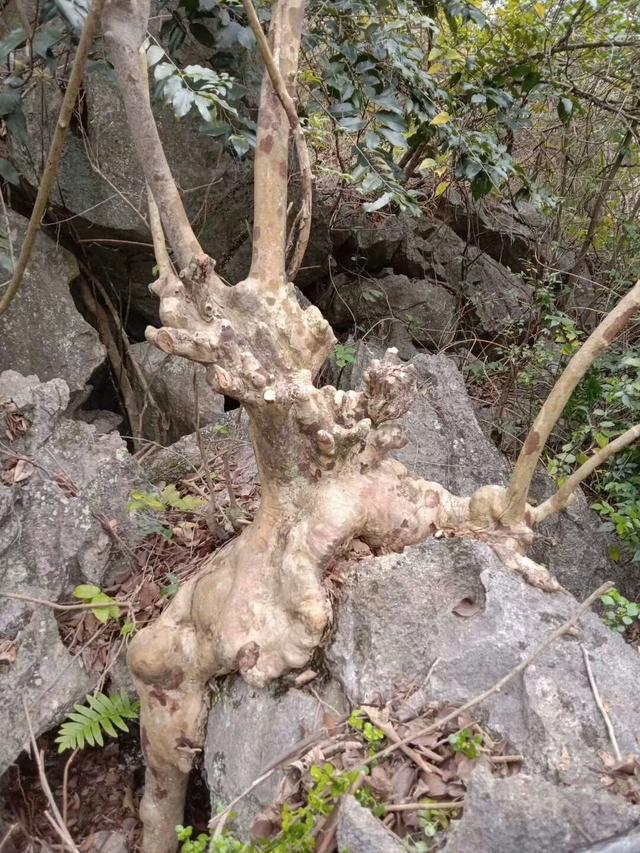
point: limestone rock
(247, 730)
(359, 831)
(530, 815)
(55, 510)
(398, 617)
(433, 251)
(170, 382)
(424, 312)
(42, 333)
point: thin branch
(551, 637)
(165, 267)
(55, 606)
(552, 408)
(55, 820)
(599, 703)
(55, 152)
(124, 25)
(561, 498)
(271, 172)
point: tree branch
(553, 406)
(277, 114)
(561, 498)
(125, 25)
(55, 152)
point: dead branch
(54, 819)
(55, 152)
(596, 343)
(54, 605)
(600, 704)
(560, 500)
(303, 220)
(551, 637)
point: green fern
(102, 712)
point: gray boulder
(248, 729)
(42, 333)
(62, 491)
(399, 617)
(419, 311)
(170, 404)
(527, 814)
(431, 250)
(359, 831)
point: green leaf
(102, 714)
(8, 172)
(565, 110)
(154, 55)
(395, 138)
(14, 40)
(442, 187)
(86, 591)
(379, 203)
(202, 34)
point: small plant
(373, 735)
(150, 504)
(619, 612)
(343, 355)
(104, 607)
(466, 743)
(432, 822)
(102, 713)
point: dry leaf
(305, 677)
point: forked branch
(303, 220)
(552, 408)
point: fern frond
(86, 723)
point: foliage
(619, 613)
(153, 505)
(343, 355)
(101, 713)
(104, 607)
(432, 823)
(372, 734)
(298, 833)
(466, 742)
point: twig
(165, 267)
(502, 682)
(327, 835)
(55, 606)
(280, 88)
(411, 807)
(394, 737)
(55, 152)
(599, 703)
(552, 408)
(65, 785)
(55, 820)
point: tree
(257, 606)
